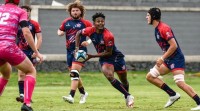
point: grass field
(102, 96)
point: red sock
(29, 84)
(3, 83)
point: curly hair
(98, 14)
(28, 8)
(76, 4)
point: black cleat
(26, 108)
(20, 99)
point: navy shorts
(118, 63)
(29, 54)
(70, 58)
(176, 62)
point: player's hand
(159, 62)
(85, 43)
(89, 56)
(40, 56)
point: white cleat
(83, 98)
(129, 101)
(68, 99)
(172, 99)
(196, 108)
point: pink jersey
(10, 17)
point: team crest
(157, 36)
(30, 27)
(172, 66)
(123, 67)
(168, 34)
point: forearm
(39, 40)
(77, 38)
(169, 52)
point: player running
(172, 60)
(111, 59)
(69, 27)
(11, 16)
(24, 46)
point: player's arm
(172, 48)
(60, 32)
(29, 38)
(77, 40)
(86, 43)
(39, 40)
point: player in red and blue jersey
(11, 16)
(24, 46)
(69, 27)
(110, 58)
(172, 60)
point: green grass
(102, 96)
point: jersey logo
(157, 36)
(168, 34)
(30, 27)
(67, 25)
(172, 66)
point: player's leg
(152, 77)
(179, 80)
(29, 83)
(82, 91)
(5, 69)
(21, 78)
(108, 71)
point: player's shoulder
(108, 33)
(67, 19)
(33, 21)
(163, 25)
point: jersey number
(3, 18)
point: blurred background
(126, 19)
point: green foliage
(102, 96)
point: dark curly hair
(28, 8)
(76, 5)
(98, 14)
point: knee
(74, 74)
(179, 80)
(109, 76)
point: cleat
(129, 101)
(20, 98)
(196, 108)
(172, 100)
(68, 99)
(83, 98)
(26, 108)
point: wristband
(89, 41)
(162, 59)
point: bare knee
(149, 77)
(109, 75)
(6, 71)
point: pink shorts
(9, 52)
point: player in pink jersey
(11, 16)
(24, 46)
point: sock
(126, 86)
(3, 83)
(196, 99)
(29, 84)
(72, 93)
(21, 87)
(116, 84)
(168, 90)
(81, 90)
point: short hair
(26, 7)
(155, 13)
(76, 4)
(98, 14)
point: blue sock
(21, 87)
(116, 84)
